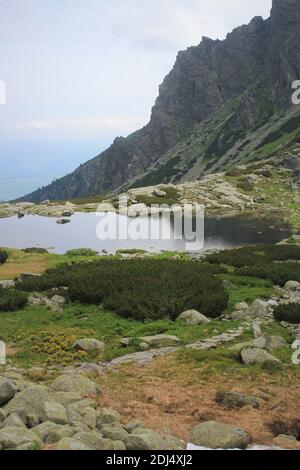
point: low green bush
(12, 300)
(279, 273)
(35, 250)
(3, 256)
(289, 313)
(255, 255)
(140, 289)
(81, 252)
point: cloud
(84, 127)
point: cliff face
(236, 85)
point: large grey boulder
(146, 439)
(55, 412)
(94, 440)
(237, 400)
(13, 436)
(108, 416)
(7, 390)
(160, 341)
(259, 309)
(292, 285)
(56, 431)
(275, 342)
(74, 383)
(68, 443)
(259, 343)
(114, 432)
(14, 419)
(214, 435)
(32, 403)
(192, 317)
(254, 356)
(89, 345)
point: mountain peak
(209, 114)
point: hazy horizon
(78, 74)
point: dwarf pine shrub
(12, 300)
(289, 313)
(3, 256)
(139, 289)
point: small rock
(257, 330)
(63, 221)
(192, 317)
(89, 345)
(237, 400)
(241, 306)
(160, 341)
(159, 193)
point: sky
(78, 73)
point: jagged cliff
(224, 102)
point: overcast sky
(90, 69)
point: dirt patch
(167, 398)
(12, 270)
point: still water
(219, 232)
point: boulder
(31, 402)
(7, 390)
(108, 416)
(257, 331)
(254, 356)
(74, 383)
(259, 309)
(14, 419)
(95, 441)
(192, 317)
(7, 284)
(160, 341)
(214, 435)
(114, 432)
(145, 440)
(59, 300)
(51, 433)
(237, 400)
(89, 345)
(132, 425)
(68, 443)
(259, 343)
(292, 285)
(55, 412)
(63, 221)
(13, 436)
(275, 342)
(159, 193)
(241, 306)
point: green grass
(36, 329)
(246, 289)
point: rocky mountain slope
(224, 102)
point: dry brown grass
(20, 262)
(167, 396)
